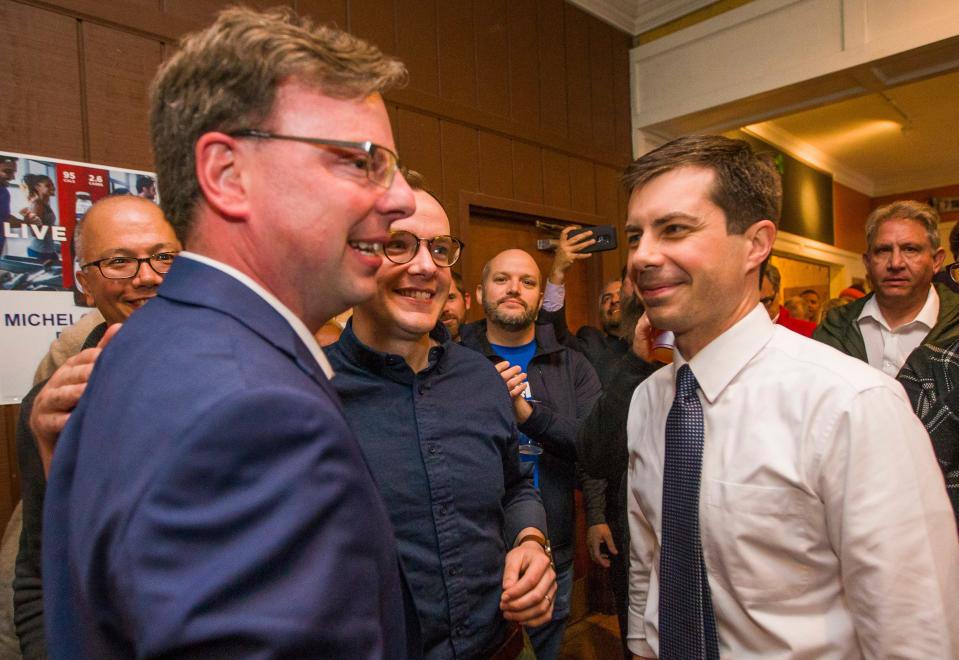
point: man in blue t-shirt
(553, 389)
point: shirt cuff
(554, 296)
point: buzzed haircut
(224, 78)
(9, 159)
(78, 240)
(906, 209)
(747, 187)
(487, 268)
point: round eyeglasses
(122, 268)
(401, 247)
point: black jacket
(27, 583)
(603, 350)
(566, 387)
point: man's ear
(219, 169)
(937, 258)
(85, 286)
(760, 237)
(479, 293)
(466, 299)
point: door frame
(470, 202)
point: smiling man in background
(126, 247)
(436, 426)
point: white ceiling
(882, 140)
(905, 138)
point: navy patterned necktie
(687, 625)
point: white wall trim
(843, 264)
(638, 16)
(810, 155)
(730, 19)
(820, 38)
(931, 177)
(651, 14)
(621, 14)
(800, 246)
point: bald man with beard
(553, 389)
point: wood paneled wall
(523, 99)
(527, 99)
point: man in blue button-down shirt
(435, 422)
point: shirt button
(458, 631)
(432, 448)
(444, 510)
(452, 570)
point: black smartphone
(604, 235)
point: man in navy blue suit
(207, 498)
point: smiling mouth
(140, 302)
(370, 248)
(416, 294)
(648, 289)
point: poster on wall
(41, 202)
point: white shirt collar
(717, 364)
(298, 326)
(927, 316)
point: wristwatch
(547, 548)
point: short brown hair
(906, 209)
(225, 77)
(747, 186)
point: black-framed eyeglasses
(379, 162)
(123, 268)
(953, 271)
(401, 247)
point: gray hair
(905, 209)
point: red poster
(78, 188)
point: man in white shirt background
(906, 309)
(786, 502)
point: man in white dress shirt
(906, 310)
(824, 527)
